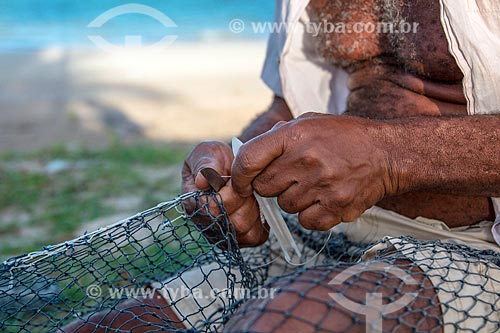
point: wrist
(389, 138)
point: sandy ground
(187, 92)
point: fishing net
(87, 280)
(177, 268)
(399, 285)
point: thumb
(206, 163)
(253, 157)
(209, 155)
(279, 124)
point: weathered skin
(407, 144)
(397, 76)
(392, 76)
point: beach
(185, 92)
(91, 136)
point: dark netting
(78, 283)
(398, 285)
(166, 270)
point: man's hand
(243, 211)
(327, 168)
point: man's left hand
(329, 169)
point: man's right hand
(243, 212)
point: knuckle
(202, 162)
(189, 206)
(185, 188)
(278, 125)
(342, 197)
(351, 216)
(259, 184)
(306, 221)
(326, 223)
(294, 131)
(266, 176)
(241, 226)
(263, 240)
(199, 150)
(242, 162)
(209, 144)
(328, 174)
(207, 152)
(310, 159)
(251, 238)
(287, 204)
(263, 189)
(323, 220)
(264, 237)
(188, 164)
(307, 115)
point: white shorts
(468, 290)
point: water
(36, 24)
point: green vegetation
(53, 195)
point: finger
(266, 230)
(264, 236)
(255, 236)
(216, 181)
(253, 157)
(203, 210)
(277, 178)
(352, 215)
(208, 205)
(200, 181)
(297, 198)
(232, 200)
(279, 124)
(188, 184)
(212, 155)
(243, 219)
(309, 115)
(353, 212)
(318, 218)
(191, 205)
(207, 163)
(242, 211)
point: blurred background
(89, 134)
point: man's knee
(303, 301)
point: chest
(405, 34)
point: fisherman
(395, 131)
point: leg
(169, 308)
(134, 315)
(302, 303)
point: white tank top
(294, 71)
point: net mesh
(81, 281)
(177, 268)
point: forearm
(278, 111)
(444, 155)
